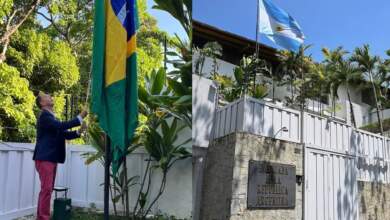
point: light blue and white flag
(279, 26)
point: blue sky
(325, 23)
(165, 21)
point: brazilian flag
(114, 73)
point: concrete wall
(199, 156)
(374, 201)
(226, 176)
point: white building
(341, 164)
(235, 47)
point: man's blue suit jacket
(51, 135)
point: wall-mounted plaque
(270, 185)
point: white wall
(204, 101)
(223, 67)
(19, 183)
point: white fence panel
(19, 182)
(326, 134)
(257, 117)
(331, 186)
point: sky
(165, 21)
(325, 23)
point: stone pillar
(225, 183)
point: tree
(368, 65)
(331, 62)
(245, 80)
(295, 65)
(72, 22)
(13, 13)
(17, 118)
(349, 74)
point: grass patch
(83, 214)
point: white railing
(267, 119)
(257, 117)
(19, 182)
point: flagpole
(257, 29)
(107, 178)
(257, 44)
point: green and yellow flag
(114, 73)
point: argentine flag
(279, 26)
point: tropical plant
(245, 80)
(260, 91)
(160, 104)
(349, 74)
(368, 65)
(342, 71)
(164, 151)
(331, 63)
(294, 66)
(166, 105)
(121, 183)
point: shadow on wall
(204, 97)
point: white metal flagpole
(257, 28)
(257, 48)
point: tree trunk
(376, 103)
(334, 106)
(273, 89)
(126, 188)
(141, 187)
(112, 199)
(351, 108)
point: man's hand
(84, 113)
(83, 128)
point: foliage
(295, 68)
(248, 79)
(260, 91)
(165, 110)
(48, 64)
(13, 14)
(368, 64)
(92, 214)
(53, 47)
(374, 127)
(166, 105)
(16, 106)
(149, 42)
(120, 182)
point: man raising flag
(114, 77)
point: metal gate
(331, 191)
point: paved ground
(30, 217)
